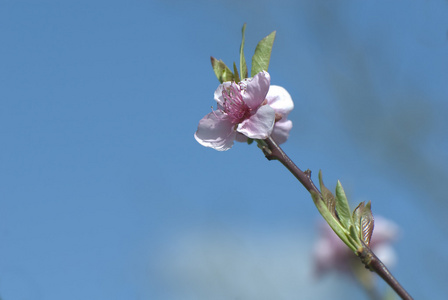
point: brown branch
(373, 263)
(273, 152)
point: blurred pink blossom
(330, 253)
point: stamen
(213, 112)
(234, 105)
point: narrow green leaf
(342, 207)
(353, 233)
(221, 70)
(354, 238)
(367, 223)
(356, 244)
(327, 195)
(235, 73)
(342, 233)
(262, 55)
(356, 217)
(243, 66)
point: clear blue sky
(105, 194)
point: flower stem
(273, 152)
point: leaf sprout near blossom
(251, 109)
(331, 254)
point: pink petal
(280, 100)
(386, 253)
(385, 231)
(256, 89)
(259, 125)
(240, 138)
(218, 93)
(281, 130)
(215, 131)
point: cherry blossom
(280, 100)
(248, 109)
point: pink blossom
(280, 100)
(331, 253)
(248, 109)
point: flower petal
(215, 131)
(259, 125)
(240, 137)
(281, 130)
(256, 89)
(280, 100)
(218, 93)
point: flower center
(234, 106)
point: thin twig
(372, 262)
(273, 151)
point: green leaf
(356, 217)
(235, 72)
(367, 223)
(221, 70)
(354, 238)
(327, 195)
(243, 66)
(364, 221)
(343, 234)
(262, 55)
(342, 207)
(353, 233)
(336, 213)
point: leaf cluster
(260, 60)
(354, 229)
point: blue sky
(105, 194)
